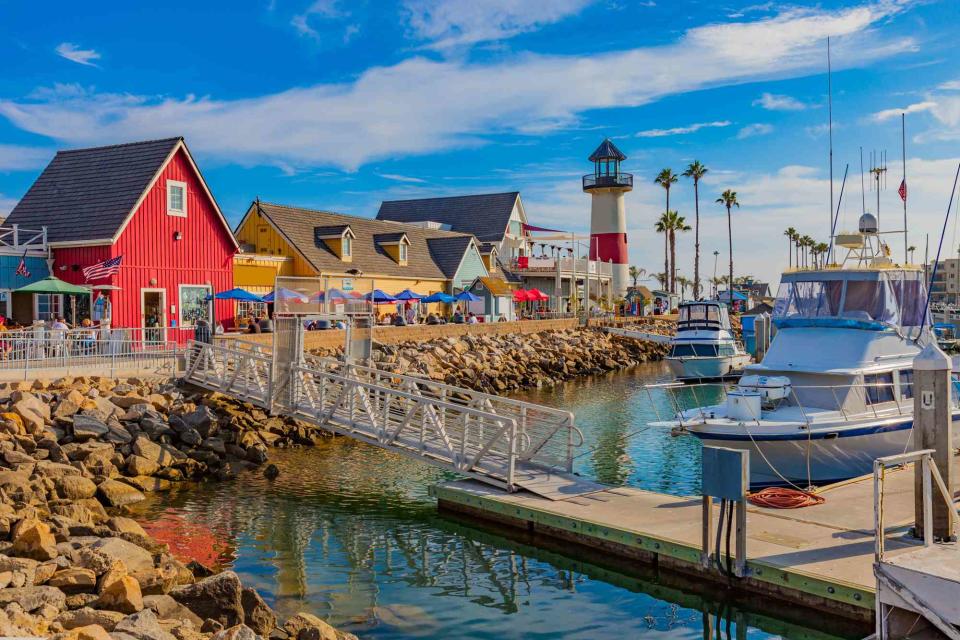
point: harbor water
(350, 533)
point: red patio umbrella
(537, 296)
(521, 295)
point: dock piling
(933, 430)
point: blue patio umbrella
(284, 294)
(439, 297)
(406, 294)
(237, 294)
(378, 296)
(334, 294)
(466, 296)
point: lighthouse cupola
(608, 217)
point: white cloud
(691, 128)
(918, 107)
(775, 102)
(399, 178)
(322, 9)
(15, 157)
(423, 106)
(951, 85)
(6, 205)
(452, 23)
(73, 53)
(756, 129)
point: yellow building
(354, 253)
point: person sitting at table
(266, 326)
(398, 320)
(457, 317)
(254, 326)
(432, 318)
(471, 319)
(88, 336)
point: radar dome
(868, 223)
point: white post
(932, 403)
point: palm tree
(807, 243)
(673, 222)
(696, 170)
(823, 249)
(662, 279)
(791, 233)
(636, 273)
(662, 226)
(729, 199)
(684, 282)
(910, 250)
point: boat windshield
(699, 316)
(888, 298)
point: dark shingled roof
(484, 216)
(432, 254)
(607, 151)
(389, 237)
(86, 194)
(326, 232)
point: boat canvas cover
(872, 300)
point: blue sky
(339, 105)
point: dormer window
(347, 247)
(176, 198)
(395, 245)
(338, 239)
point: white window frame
(180, 289)
(58, 306)
(404, 251)
(180, 213)
(346, 246)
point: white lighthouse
(608, 219)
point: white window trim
(176, 212)
(180, 288)
(36, 305)
(404, 252)
(346, 246)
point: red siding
(204, 255)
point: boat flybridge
(704, 347)
(835, 389)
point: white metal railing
(89, 351)
(243, 373)
(843, 403)
(547, 436)
(450, 434)
(929, 475)
(21, 239)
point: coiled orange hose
(784, 498)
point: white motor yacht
(834, 391)
(704, 347)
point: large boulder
(118, 494)
(306, 626)
(121, 595)
(236, 632)
(73, 487)
(87, 616)
(143, 626)
(203, 419)
(74, 580)
(33, 539)
(87, 427)
(32, 598)
(257, 613)
(219, 597)
(133, 557)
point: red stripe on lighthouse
(609, 247)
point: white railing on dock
(240, 370)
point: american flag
(103, 269)
(903, 190)
(22, 267)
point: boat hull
(706, 368)
(834, 455)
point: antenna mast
(879, 171)
(830, 129)
(863, 191)
(903, 186)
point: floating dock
(819, 557)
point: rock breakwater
(74, 454)
(503, 363)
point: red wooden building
(146, 202)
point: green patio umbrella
(52, 284)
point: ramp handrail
(929, 473)
(242, 373)
(548, 436)
(469, 440)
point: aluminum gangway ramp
(507, 443)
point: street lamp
(716, 256)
